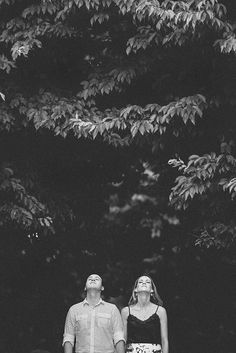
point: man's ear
(102, 288)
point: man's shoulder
(76, 306)
(108, 303)
(110, 306)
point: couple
(98, 327)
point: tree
(86, 83)
(132, 51)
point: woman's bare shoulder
(161, 311)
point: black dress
(143, 336)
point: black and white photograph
(117, 176)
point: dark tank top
(144, 331)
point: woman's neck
(143, 299)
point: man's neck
(93, 297)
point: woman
(145, 319)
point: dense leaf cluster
(163, 45)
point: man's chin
(94, 288)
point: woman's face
(144, 284)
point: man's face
(94, 282)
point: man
(95, 325)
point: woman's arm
(164, 329)
(124, 315)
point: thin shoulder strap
(157, 308)
(129, 309)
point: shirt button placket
(92, 329)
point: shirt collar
(100, 302)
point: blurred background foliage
(117, 156)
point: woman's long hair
(155, 297)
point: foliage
(202, 177)
(18, 207)
(96, 97)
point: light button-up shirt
(93, 329)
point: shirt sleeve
(117, 326)
(69, 330)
